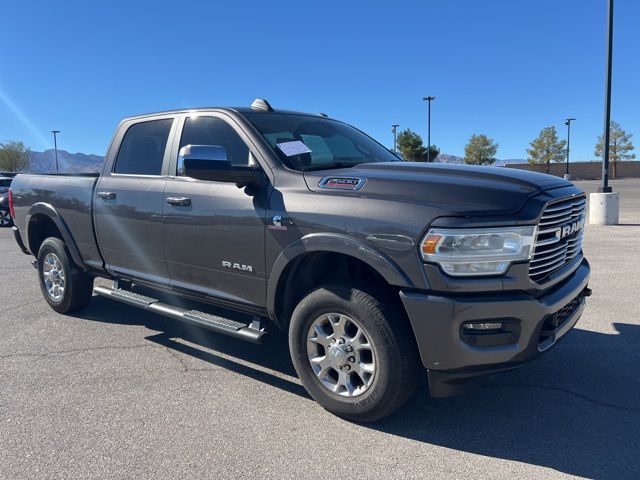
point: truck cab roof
(258, 105)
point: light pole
(567, 122)
(604, 205)
(607, 105)
(55, 146)
(394, 129)
(429, 99)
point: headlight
(475, 252)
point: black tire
(5, 218)
(78, 285)
(397, 365)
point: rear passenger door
(129, 199)
(214, 242)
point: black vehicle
(378, 269)
(5, 217)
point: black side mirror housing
(209, 162)
(222, 171)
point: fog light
(486, 334)
(482, 326)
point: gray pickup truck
(378, 269)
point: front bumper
(455, 364)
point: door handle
(179, 201)
(106, 195)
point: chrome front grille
(559, 237)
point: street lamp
(604, 205)
(567, 122)
(394, 129)
(429, 99)
(607, 105)
(55, 146)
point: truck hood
(460, 189)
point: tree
(14, 157)
(620, 146)
(411, 146)
(547, 148)
(435, 151)
(480, 150)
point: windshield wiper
(333, 165)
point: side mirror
(209, 162)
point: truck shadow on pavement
(574, 410)
(272, 355)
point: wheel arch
(318, 250)
(43, 221)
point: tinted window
(305, 142)
(215, 131)
(142, 149)
(5, 182)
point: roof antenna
(261, 104)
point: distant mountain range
(45, 162)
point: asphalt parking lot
(113, 392)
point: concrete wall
(583, 170)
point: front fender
(48, 210)
(334, 243)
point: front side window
(305, 142)
(213, 131)
(143, 146)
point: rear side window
(215, 131)
(143, 146)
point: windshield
(304, 142)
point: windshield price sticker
(295, 147)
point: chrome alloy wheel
(53, 276)
(341, 354)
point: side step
(252, 332)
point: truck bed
(71, 196)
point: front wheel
(64, 285)
(354, 351)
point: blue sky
(505, 68)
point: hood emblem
(342, 183)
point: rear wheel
(354, 351)
(64, 285)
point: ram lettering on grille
(559, 237)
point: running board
(251, 332)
